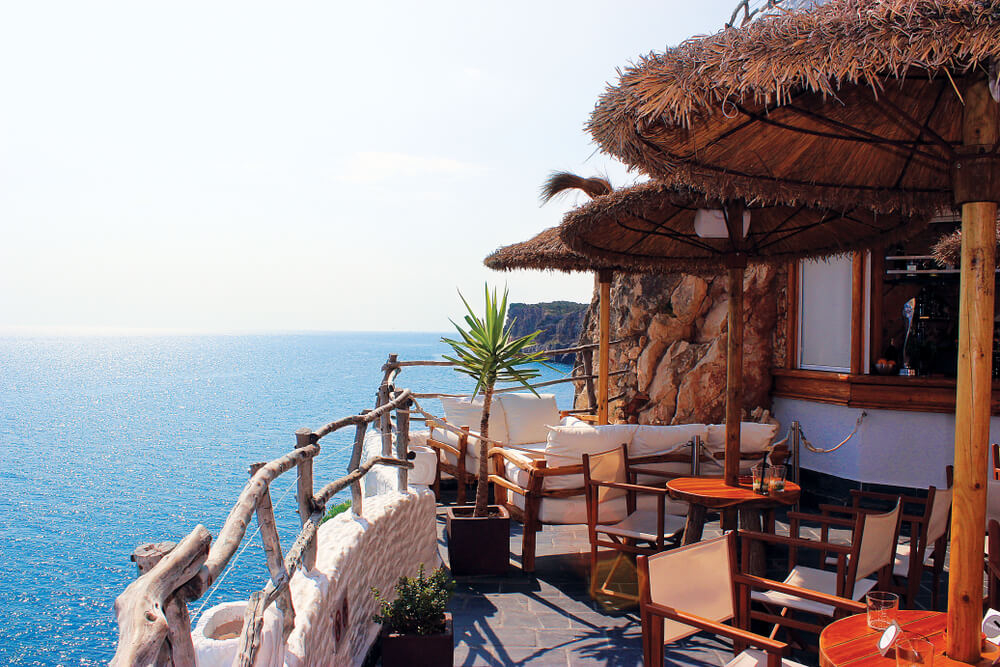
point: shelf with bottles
(915, 265)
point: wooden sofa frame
(537, 469)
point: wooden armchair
(929, 519)
(606, 477)
(871, 552)
(535, 492)
(698, 587)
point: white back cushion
(467, 412)
(650, 440)
(566, 446)
(528, 416)
(754, 437)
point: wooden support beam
(604, 278)
(272, 552)
(734, 376)
(304, 492)
(972, 405)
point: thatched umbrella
(546, 251)
(666, 226)
(884, 102)
(947, 251)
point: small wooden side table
(849, 642)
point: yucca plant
(488, 353)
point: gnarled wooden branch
(142, 623)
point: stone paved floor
(550, 619)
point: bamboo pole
(974, 388)
(304, 493)
(604, 278)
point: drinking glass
(914, 653)
(757, 481)
(882, 608)
(775, 482)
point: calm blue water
(110, 442)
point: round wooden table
(705, 493)
(850, 641)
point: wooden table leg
(751, 519)
(695, 523)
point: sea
(109, 442)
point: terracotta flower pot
(400, 650)
(478, 545)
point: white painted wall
(891, 447)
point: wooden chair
(993, 565)
(534, 491)
(698, 587)
(871, 551)
(606, 477)
(929, 521)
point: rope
(232, 563)
(817, 450)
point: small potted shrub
(416, 629)
(479, 536)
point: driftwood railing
(154, 626)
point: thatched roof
(546, 251)
(849, 102)
(652, 226)
(948, 249)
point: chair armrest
(804, 593)
(653, 473)
(575, 469)
(819, 518)
(799, 542)
(516, 460)
(891, 497)
(507, 484)
(590, 419)
(638, 488)
(769, 645)
(854, 511)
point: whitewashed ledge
(333, 602)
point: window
(825, 314)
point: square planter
(419, 650)
(478, 545)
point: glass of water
(882, 608)
(913, 652)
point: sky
(296, 166)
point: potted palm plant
(416, 629)
(479, 536)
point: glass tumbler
(882, 608)
(914, 653)
(757, 480)
(775, 482)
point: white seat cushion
(641, 525)
(821, 581)
(754, 658)
(527, 416)
(572, 510)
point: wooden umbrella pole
(604, 279)
(734, 375)
(971, 177)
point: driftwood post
(359, 446)
(304, 492)
(975, 181)
(385, 420)
(272, 552)
(588, 374)
(403, 444)
(178, 649)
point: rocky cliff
(560, 322)
(674, 328)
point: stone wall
(675, 328)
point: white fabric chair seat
(821, 581)
(641, 525)
(754, 658)
(901, 564)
